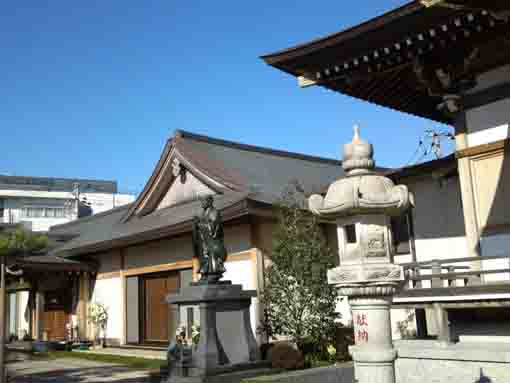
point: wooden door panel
(54, 324)
(158, 316)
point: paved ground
(140, 353)
(73, 371)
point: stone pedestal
(226, 336)
(370, 291)
(373, 353)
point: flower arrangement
(180, 335)
(98, 315)
(195, 334)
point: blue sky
(95, 88)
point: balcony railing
(458, 274)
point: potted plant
(98, 315)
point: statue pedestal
(226, 336)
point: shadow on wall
(491, 182)
(438, 213)
(483, 378)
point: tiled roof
(253, 168)
(52, 262)
(248, 174)
(109, 231)
(446, 164)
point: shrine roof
(375, 60)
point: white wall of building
(23, 323)
(109, 293)
(438, 219)
(41, 210)
(100, 202)
(243, 273)
(495, 245)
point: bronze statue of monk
(208, 242)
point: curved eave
(278, 59)
(157, 170)
(230, 213)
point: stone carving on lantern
(362, 204)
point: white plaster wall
(441, 248)
(109, 293)
(491, 134)
(488, 123)
(493, 246)
(23, 324)
(438, 219)
(180, 192)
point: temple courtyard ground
(67, 369)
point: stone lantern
(361, 205)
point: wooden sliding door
(159, 318)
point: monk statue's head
(207, 202)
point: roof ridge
(92, 217)
(412, 5)
(254, 148)
(7, 176)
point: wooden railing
(456, 272)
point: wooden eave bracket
(431, 3)
(305, 82)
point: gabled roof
(375, 61)
(50, 262)
(245, 177)
(445, 166)
(231, 166)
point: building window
(350, 233)
(403, 234)
(43, 212)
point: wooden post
(436, 269)
(195, 268)
(82, 306)
(452, 282)
(123, 282)
(2, 321)
(468, 196)
(443, 325)
(39, 309)
(421, 324)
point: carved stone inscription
(375, 241)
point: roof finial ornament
(357, 136)
(358, 155)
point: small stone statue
(208, 242)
